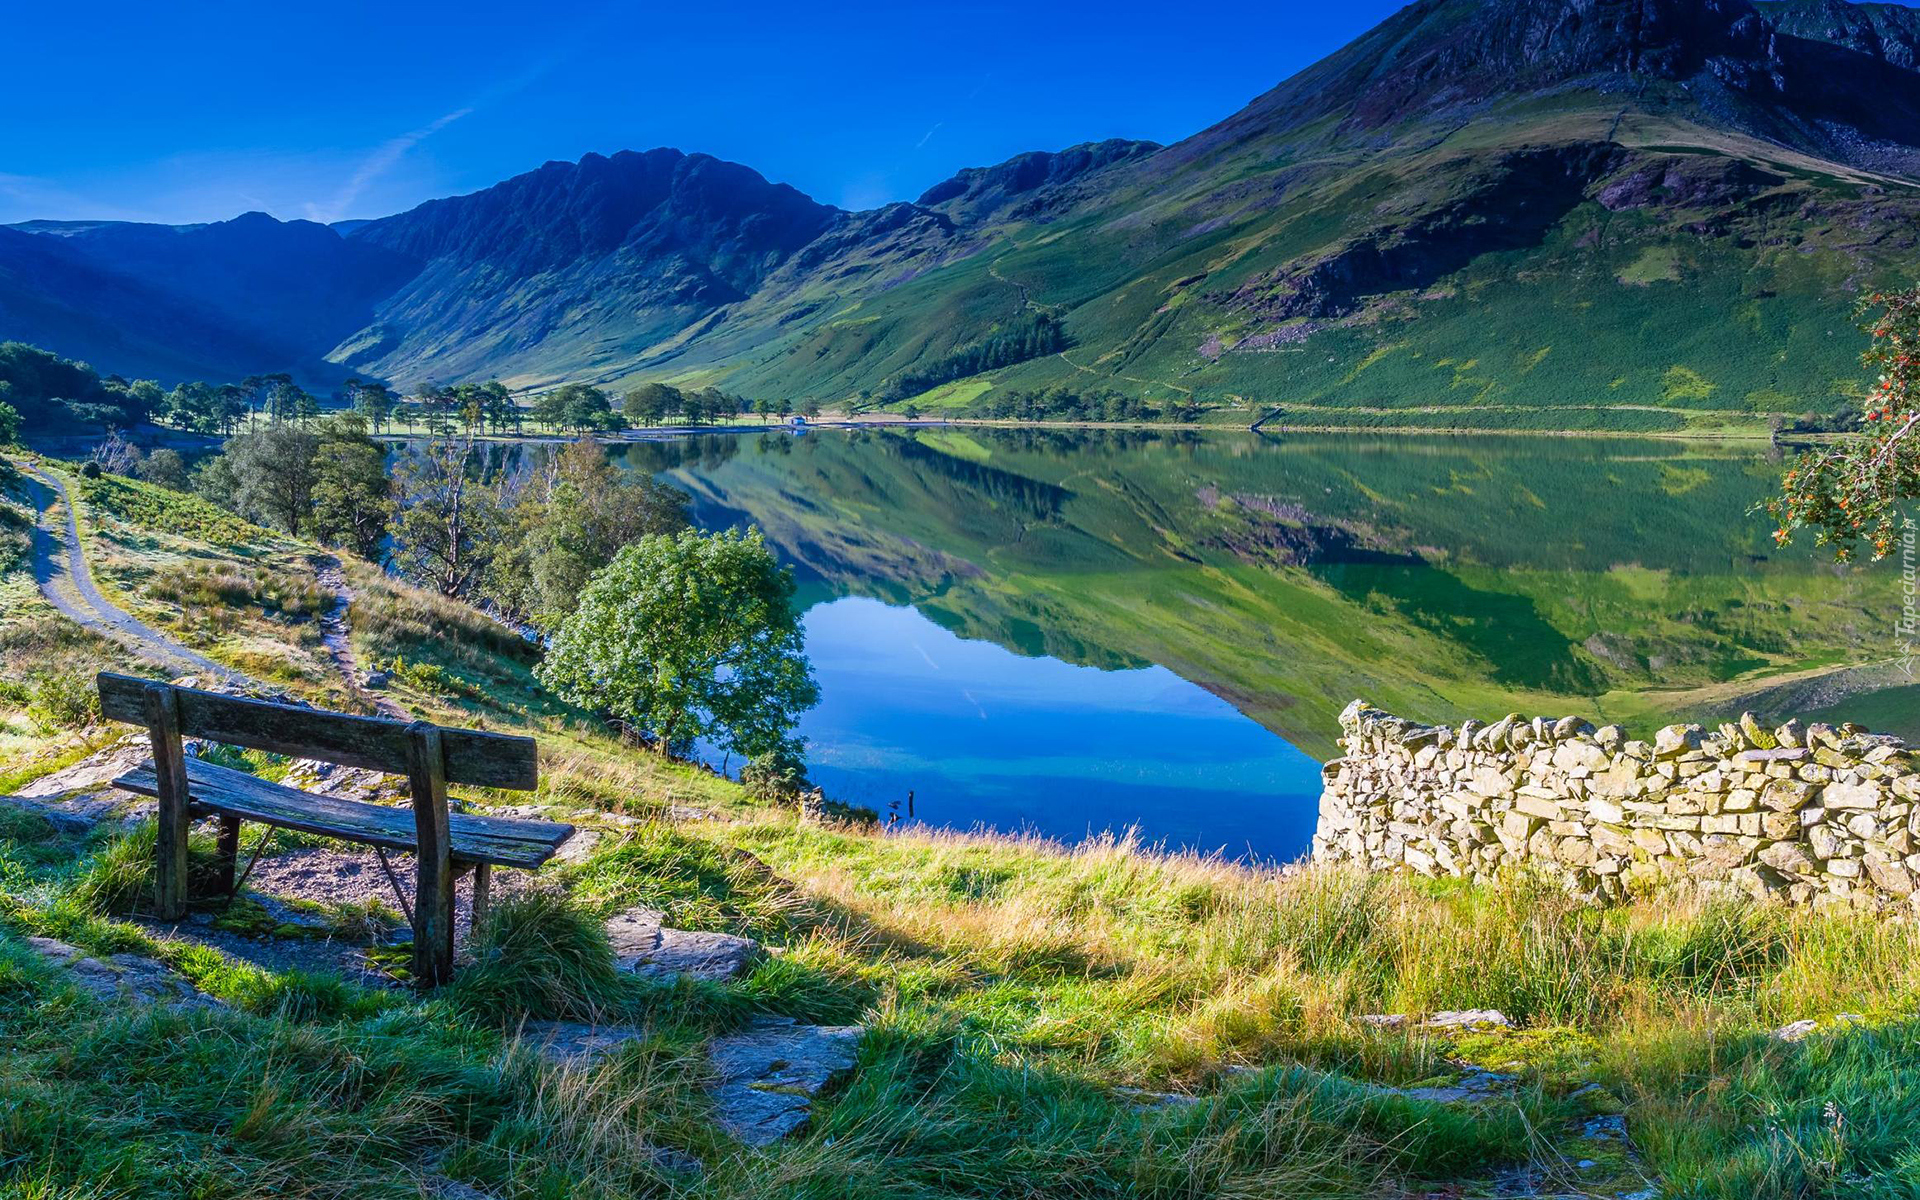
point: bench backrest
(376, 743)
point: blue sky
(199, 112)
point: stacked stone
(1810, 814)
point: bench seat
(211, 788)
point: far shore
(67, 445)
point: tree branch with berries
(1854, 491)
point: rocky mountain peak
(977, 190)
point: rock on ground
(642, 945)
(93, 772)
(122, 978)
(1474, 1085)
(576, 1043)
(770, 1072)
(1469, 1018)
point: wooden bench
(445, 844)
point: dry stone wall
(1808, 814)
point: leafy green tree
(9, 424)
(374, 402)
(1856, 489)
(351, 491)
(578, 407)
(164, 468)
(500, 411)
(213, 481)
(689, 637)
(143, 399)
(650, 403)
(48, 391)
(273, 475)
(568, 525)
(436, 407)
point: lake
(1073, 632)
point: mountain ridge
(1460, 148)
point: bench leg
(482, 884)
(170, 773)
(433, 891)
(227, 855)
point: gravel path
(60, 568)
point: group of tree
(678, 635)
(1029, 337)
(1063, 404)
(662, 403)
(520, 533)
(326, 479)
(40, 390)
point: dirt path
(336, 634)
(60, 568)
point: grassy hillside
(1686, 293)
(1012, 990)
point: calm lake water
(1079, 632)
(982, 735)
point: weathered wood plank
(474, 837)
(472, 757)
(433, 861)
(160, 712)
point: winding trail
(336, 634)
(60, 568)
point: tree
(117, 455)
(570, 524)
(435, 406)
(214, 482)
(9, 424)
(689, 637)
(498, 407)
(164, 468)
(373, 401)
(649, 403)
(273, 475)
(351, 491)
(1854, 490)
(576, 406)
(448, 518)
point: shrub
(539, 954)
(63, 700)
(775, 777)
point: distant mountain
(1497, 204)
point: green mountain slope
(1503, 204)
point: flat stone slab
(1141, 1100)
(643, 946)
(1797, 1031)
(769, 1073)
(1467, 1018)
(93, 772)
(575, 1043)
(1474, 1085)
(123, 978)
